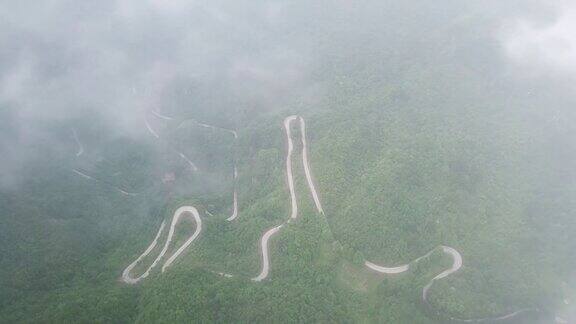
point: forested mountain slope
(419, 135)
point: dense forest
(420, 135)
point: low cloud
(61, 60)
(120, 57)
(544, 46)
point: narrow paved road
(175, 219)
(264, 248)
(124, 192)
(154, 133)
(264, 242)
(456, 265)
(307, 167)
(192, 165)
(235, 198)
(80, 147)
(159, 115)
(289, 177)
(150, 129)
(290, 181)
(126, 273)
(184, 210)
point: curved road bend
(192, 165)
(77, 140)
(290, 181)
(189, 210)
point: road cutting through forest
(264, 246)
(77, 140)
(290, 180)
(126, 276)
(192, 165)
(155, 134)
(457, 261)
(86, 176)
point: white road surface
(456, 265)
(398, 269)
(192, 164)
(387, 270)
(80, 147)
(159, 115)
(264, 246)
(150, 129)
(307, 167)
(175, 219)
(184, 210)
(185, 158)
(126, 277)
(83, 175)
(290, 181)
(289, 177)
(124, 192)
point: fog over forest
(289, 161)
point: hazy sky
(545, 44)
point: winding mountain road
(150, 129)
(126, 273)
(77, 140)
(185, 158)
(290, 181)
(159, 115)
(188, 210)
(456, 265)
(264, 248)
(192, 165)
(86, 176)
(307, 167)
(457, 261)
(235, 198)
(177, 214)
(290, 178)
